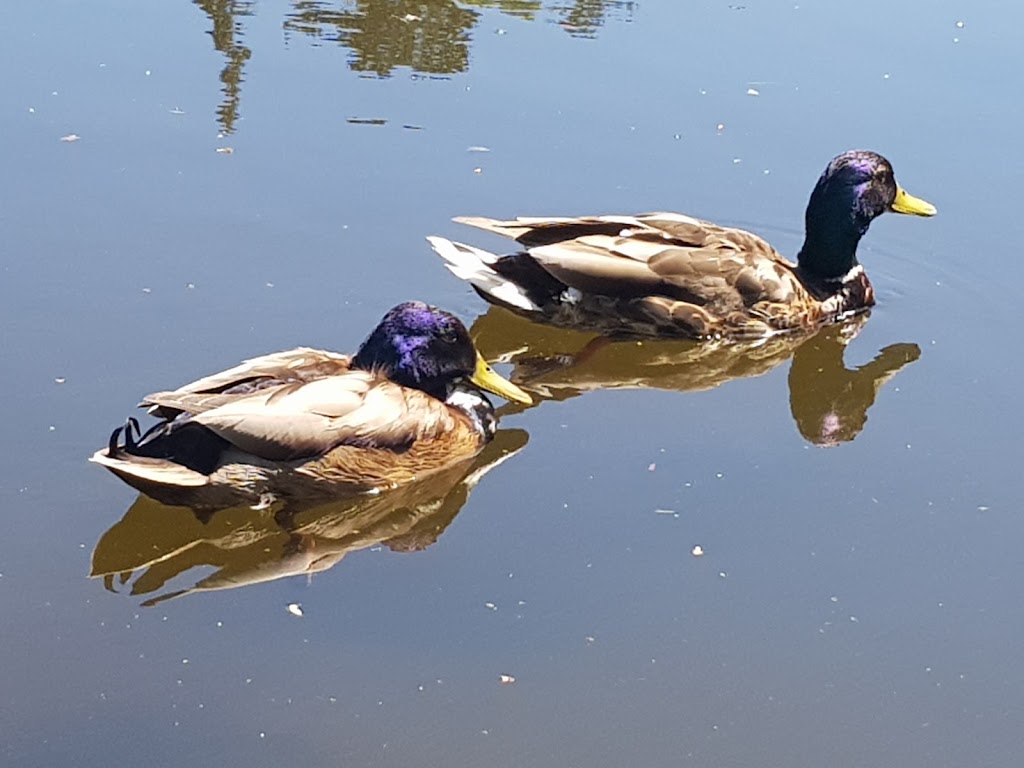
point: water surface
(254, 176)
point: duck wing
(299, 365)
(305, 419)
(667, 255)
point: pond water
(190, 184)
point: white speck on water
(664, 511)
(834, 599)
(753, 92)
(59, 380)
(506, 679)
(885, 76)
(478, 148)
(959, 25)
(697, 551)
(295, 609)
(491, 606)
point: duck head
(420, 346)
(855, 188)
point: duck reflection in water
(154, 543)
(829, 401)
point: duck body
(404, 407)
(668, 274)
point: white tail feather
(158, 471)
(474, 266)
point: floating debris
(225, 150)
(176, 111)
(410, 17)
(366, 120)
(70, 137)
(491, 606)
(59, 380)
(478, 170)
(295, 609)
(697, 551)
(506, 679)
(478, 148)
(411, 127)
(664, 511)
(753, 92)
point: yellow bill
(907, 203)
(485, 377)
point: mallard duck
(667, 274)
(404, 406)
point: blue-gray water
(857, 605)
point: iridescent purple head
(856, 187)
(417, 345)
(423, 347)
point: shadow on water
(429, 37)
(154, 543)
(829, 401)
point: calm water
(855, 605)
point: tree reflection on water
(429, 37)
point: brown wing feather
(302, 420)
(301, 364)
(661, 254)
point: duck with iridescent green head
(668, 274)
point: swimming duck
(406, 405)
(667, 274)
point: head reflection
(828, 401)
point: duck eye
(449, 336)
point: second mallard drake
(403, 407)
(667, 274)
